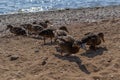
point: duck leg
(44, 41)
(51, 40)
(61, 52)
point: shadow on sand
(91, 53)
(48, 44)
(74, 59)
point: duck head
(9, 27)
(48, 22)
(64, 28)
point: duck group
(66, 42)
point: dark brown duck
(16, 30)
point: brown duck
(16, 30)
(68, 45)
(45, 24)
(32, 29)
(47, 33)
(93, 40)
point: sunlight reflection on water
(13, 6)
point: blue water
(14, 6)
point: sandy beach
(103, 64)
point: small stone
(9, 55)
(44, 62)
(36, 50)
(46, 58)
(96, 78)
(14, 57)
(111, 76)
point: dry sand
(36, 61)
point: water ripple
(14, 6)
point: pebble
(44, 62)
(14, 57)
(36, 50)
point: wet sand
(31, 54)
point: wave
(20, 6)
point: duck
(16, 30)
(93, 40)
(32, 29)
(69, 45)
(47, 33)
(45, 24)
(27, 27)
(64, 28)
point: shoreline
(55, 10)
(63, 17)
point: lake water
(14, 6)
